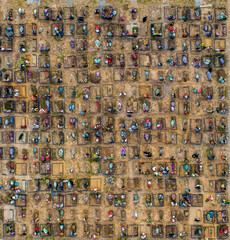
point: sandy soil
(130, 174)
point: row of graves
(133, 143)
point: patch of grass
(141, 100)
(91, 170)
(61, 58)
(78, 95)
(34, 89)
(30, 237)
(78, 183)
(93, 2)
(208, 151)
(126, 7)
(57, 38)
(144, 1)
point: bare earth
(65, 185)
